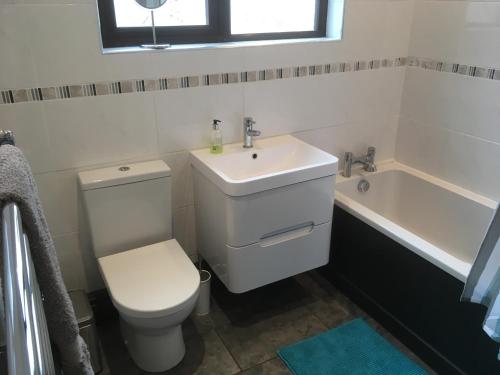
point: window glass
(173, 13)
(272, 16)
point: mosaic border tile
(455, 68)
(71, 91)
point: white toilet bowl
(156, 344)
(154, 289)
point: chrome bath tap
(367, 160)
(249, 132)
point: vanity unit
(263, 213)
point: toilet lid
(150, 281)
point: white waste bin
(203, 304)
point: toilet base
(155, 350)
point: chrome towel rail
(26, 335)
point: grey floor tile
(243, 332)
(315, 287)
(124, 367)
(205, 352)
(117, 357)
(256, 343)
(332, 313)
(261, 303)
(273, 367)
(205, 355)
(216, 319)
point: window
(125, 23)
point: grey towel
(18, 185)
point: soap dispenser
(216, 139)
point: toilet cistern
(249, 132)
(367, 160)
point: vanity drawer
(251, 218)
(275, 258)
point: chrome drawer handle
(286, 234)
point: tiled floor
(243, 332)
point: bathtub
(402, 251)
(438, 221)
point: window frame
(218, 29)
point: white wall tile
(185, 230)
(97, 130)
(399, 17)
(356, 138)
(419, 147)
(182, 181)
(184, 117)
(92, 273)
(58, 192)
(286, 106)
(466, 161)
(16, 62)
(449, 123)
(66, 47)
(459, 103)
(70, 261)
(375, 28)
(189, 62)
(466, 32)
(27, 121)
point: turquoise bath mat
(352, 349)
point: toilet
(151, 281)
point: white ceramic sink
(271, 163)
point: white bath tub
(440, 222)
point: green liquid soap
(216, 149)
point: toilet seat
(151, 281)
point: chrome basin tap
(367, 160)
(249, 132)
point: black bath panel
(415, 300)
